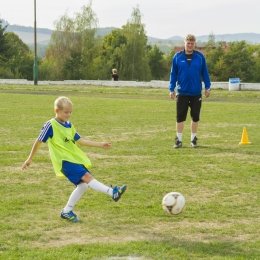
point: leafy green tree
(211, 40)
(111, 53)
(2, 37)
(255, 50)
(156, 63)
(168, 64)
(16, 60)
(256, 74)
(3, 46)
(134, 56)
(20, 58)
(239, 61)
(216, 63)
(59, 47)
(87, 23)
(73, 46)
(72, 66)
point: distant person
(68, 160)
(188, 69)
(115, 77)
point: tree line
(75, 52)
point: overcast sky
(162, 18)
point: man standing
(188, 69)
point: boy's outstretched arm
(35, 147)
(105, 145)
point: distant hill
(44, 35)
(175, 38)
(26, 34)
(248, 37)
(171, 39)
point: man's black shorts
(183, 103)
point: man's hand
(207, 93)
(172, 95)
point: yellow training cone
(244, 139)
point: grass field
(220, 179)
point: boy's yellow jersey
(62, 147)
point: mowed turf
(219, 180)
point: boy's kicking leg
(115, 192)
(89, 181)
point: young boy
(115, 76)
(68, 160)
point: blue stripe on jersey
(47, 131)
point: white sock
(75, 196)
(192, 136)
(179, 135)
(98, 186)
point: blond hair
(114, 71)
(62, 102)
(190, 37)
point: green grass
(220, 179)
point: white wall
(153, 83)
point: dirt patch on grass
(75, 234)
(124, 258)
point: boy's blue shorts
(74, 172)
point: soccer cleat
(118, 192)
(194, 142)
(71, 216)
(178, 143)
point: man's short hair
(190, 37)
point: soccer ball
(173, 203)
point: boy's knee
(83, 186)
